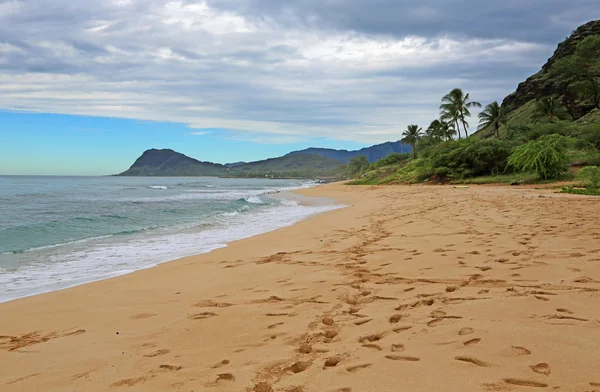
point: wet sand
(411, 288)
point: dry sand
(418, 288)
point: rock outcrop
(541, 84)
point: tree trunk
(414, 151)
(457, 128)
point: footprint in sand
(332, 362)
(434, 322)
(397, 348)
(474, 361)
(157, 353)
(524, 383)
(520, 350)
(401, 329)
(142, 316)
(563, 310)
(171, 368)
(373, 346)
(472, 342)
(224, 362)
(466, 331)
(402, 358)
(225, 377)
(327, 321)
(356, 368)
(201, 316)
(212, 304)
(361, 322)
(370, 338)
(299, 367)
(331, 333)
(263, 387)
(395, 318)
(541, 368)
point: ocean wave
(104, 259)
(66, 243)
(158, 187)
(254, 200)
(287, 202)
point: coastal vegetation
(548, 130)
(411, 136)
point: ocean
(59, 232)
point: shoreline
(429, 287)
(284, 196)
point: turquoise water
(57, 232)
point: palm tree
(447, 130)
(455, 109)
(440, 130)
(492, 116)
(434, 130)
(411, 136)
(549, 109)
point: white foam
(158, 187)
(254, 200)
(107, 258)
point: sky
(87, 86)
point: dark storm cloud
(526, 20)
(271, 70)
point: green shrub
(579, 191)
(517, 131)
(540, 130)
(589, 176)
(392, 159)
(457, 159)
(547, 156)
(357, 166)
(589, 134)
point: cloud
(199, 133)
(272, 71)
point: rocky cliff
(542, 84)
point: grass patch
(581, 191)
(510, 179)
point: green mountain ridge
(166, 162)
(372, 153)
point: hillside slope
(167, 162)
(373, 153)
(296, 165)
(543, 84)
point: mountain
(545, 83)
(373, 153)
(167, 162)
(296, 165)
(306, 163)
(234, 164)
(171, 163)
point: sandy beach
(410, 288)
